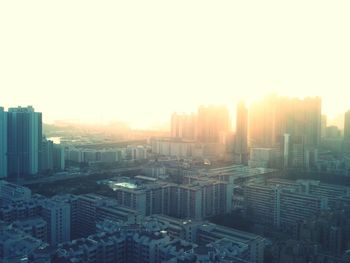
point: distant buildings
(136, 153)
(58, 157)
(47, 155)
(213, 124)
(109, 155)
(347, 131)
(323, 125)
(275, 116)
(173, 147)
(241, 137)
(204, 135)
(208, 129)
(262, 157)
(184, 126)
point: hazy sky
(139, 61)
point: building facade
(24, 142)
(3, 143)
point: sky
(139, 61)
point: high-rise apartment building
(213, 124)
(323, 125)
(57, 217)
(281, 204)
(24, 141)
(198, 200)
(3, 143)
(47, 155)
(347, 131)
(86, 215)
(183, 126)
(274, 116)
(10, 192)
(261, 123)
(241, 138)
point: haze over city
(174, 131)
(139, 61)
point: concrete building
(332, 192)
(3, 143)
(20, 211)
(195, 200)
(58, 157)
(208, 233)
(87, 213)
(293, 207)
(155, 240)
(35, 227)
(17, 246)
(24, 142)
(286, 150)
(72, 201)
(136, 153)
(333, 132)
(262, 157)
(241, 138)
(46, 156)
(213, 124)
(10, 192)
(57, 216)
(274, 116)
(74, 155)
(173, 147)
(184, 126)
(347, 131)
(260, 204)
(109, 156)
(282, 203)
(117, 213)
(323, 126)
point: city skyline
(108, 62)
(164, 122)
(174, 131)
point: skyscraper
(213, 123)
(241, 138)
(347, 131)
(3, 143)
(24, 141)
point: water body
(56, 140)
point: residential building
(10, 192)
(184, 126)
(347, 131)
(241, 138)
(3, 143)
(57, 216)
(24, 142)
(213, 124)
